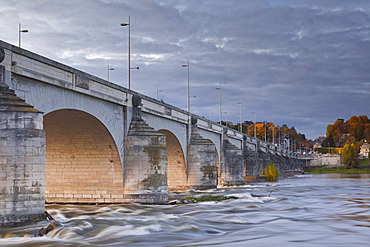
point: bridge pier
(259, 158)
(231, 164)
(202, 166)
(145, 167)
(22, 159)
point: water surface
(319, 210)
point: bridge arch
(82, 161)
(176, 174)
(218, 164)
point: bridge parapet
(23, 63)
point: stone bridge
(70, 137)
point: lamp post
(265, 131)
(129, 52)
(255, 131)
(20, 30)
(240, 123)
(219, 88)
(158, 90)
(109, 68)
(188, 132)
(188, 99)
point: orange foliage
(356, 129)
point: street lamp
(240, 123)
(158, 90)
(255, 131)
(109, 68)
(219, 88)
(265, 131)
(129, 51)
(20, 30)
(188, 100)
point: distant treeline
(354, 130)
(279, 135)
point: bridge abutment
(22, 159)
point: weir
(70, 137)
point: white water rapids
(319, 210)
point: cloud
(300, 63)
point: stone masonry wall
(202, 167)
(22, 168)
(145, 171)
(232, 165)
(176, 163)
(325, 160)
(257, 161)
(22, 159)
(82, 161)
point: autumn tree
(350, 156)
(329, 130)
(275, 134)
(357, 128)
(339, 133)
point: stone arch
(82, 161)
(176, 177)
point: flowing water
(318, 210)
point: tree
(328, 142)
(329, 130)
(350, 156)
(339, 132)
(356, 126)
(271, 172)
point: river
(308, 210)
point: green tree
(271, 172)
(329, 130)
(350, 156)
(328, 142)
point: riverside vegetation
(271, 172)
(365, 169)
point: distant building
(325, 160)
(364, 150)
(317, 145)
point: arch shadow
(82, 161)
(176, 174)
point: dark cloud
(300, 63)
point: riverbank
(365, 169)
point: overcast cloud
(300, 63)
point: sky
(301, 63)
